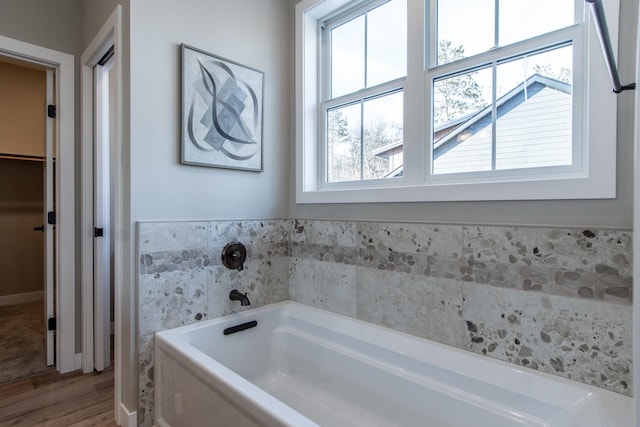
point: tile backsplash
(552, 299)
(181, 279)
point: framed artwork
(221, 112)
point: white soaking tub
(301, 366)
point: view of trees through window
(458, 96)
(364, 136)
(356, 151)
(353, 150)
(364, 90)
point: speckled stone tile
(332, 233)
(323, 285)
(583, 340)
(188, 259)
(408, 277)
(389, 260)
(567, 249)
(145, 369)
(264, 282)
(171, 299)
(436, 240)
(171, 236)
(254, 233)
(591, 264)
(275, 280)
(418, 305)
(327, 253)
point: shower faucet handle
(234, 255)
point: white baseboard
(21, 298)
(127, 419)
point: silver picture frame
(222, 115)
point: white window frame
(360, 96)
(595, 179)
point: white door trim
(101, 211)
(636, 235)
(109, 35)
(63, 63)
(49, 206)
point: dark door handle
(41, 228)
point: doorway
(38, 239)
(95, 67)
(23, 140)
(103, 169)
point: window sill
(550, 189)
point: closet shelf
(27, 157)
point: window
(510, 105)
(363, 91)
(410, 100)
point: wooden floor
(51, 399)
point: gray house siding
(530, 132)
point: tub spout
(236, 295)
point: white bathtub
(302, 366)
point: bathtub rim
(613, 406)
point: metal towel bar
(603, 33)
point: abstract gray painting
(221, 112)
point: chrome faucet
(236, 295)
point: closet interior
(22, 190)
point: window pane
(522, 19)
(534, 114)
(464, 28)
(382, 138)
(459, 96)
(347, 57)
(343, 143)
(371, 149)
(462, 123)
(387, 42)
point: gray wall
(52, 24)
(160, 187)
(251, 32)
(94, 15)
(614, 213)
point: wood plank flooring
(51, 399)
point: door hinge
(51, 111)
(51, 324)
(51, 218)
(98, 232)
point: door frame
(101, 213)
(109, 35)
(63, 65)
(636, 234)
(49, 235)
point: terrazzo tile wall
(181, 279)
(555, 300)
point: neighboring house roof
(386, 150)
(453, 133)
(397, 172)
(506, 103)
